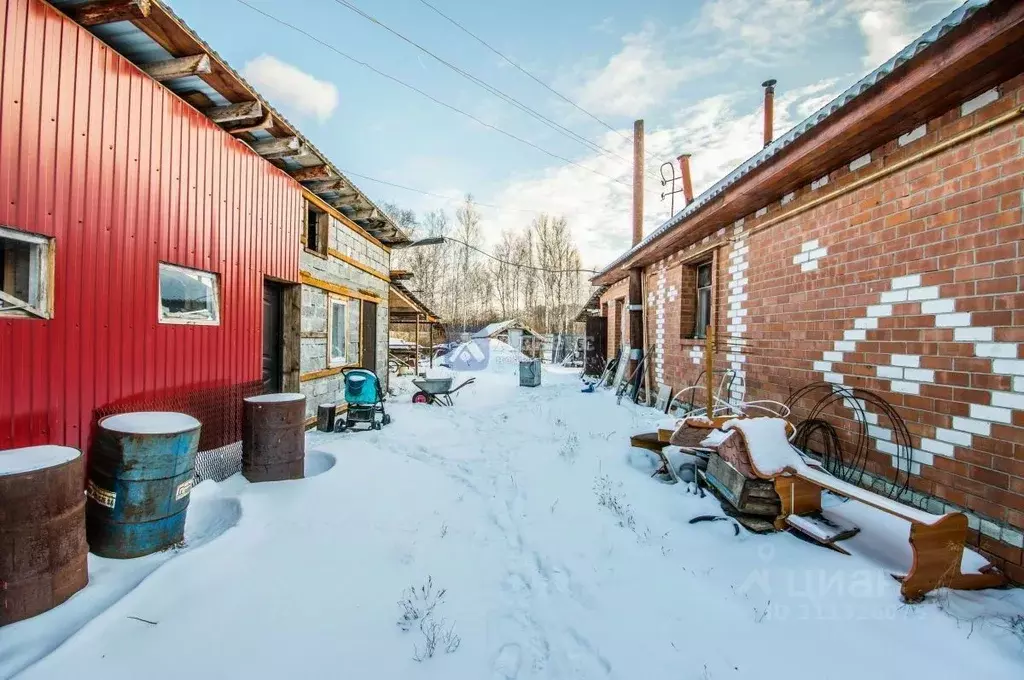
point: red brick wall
(909, 286)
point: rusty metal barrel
(141, 471)
(43, 552)
(274, 437)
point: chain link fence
(217, 406)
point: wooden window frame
(348, 302)
(41, 306)
(172, 321)
(705, 256)
(323, 231)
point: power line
(517, 264)
(447, 198)
(537, 80)
(415, 89)
(507, 98)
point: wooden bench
(937, 541)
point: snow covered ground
(559, 556)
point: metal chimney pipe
(684, 172)
(769, 110)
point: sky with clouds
(691, 69)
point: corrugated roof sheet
(132, 43)
(954, 19)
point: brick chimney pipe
(769, 111)
(684, 172)
(638, 182)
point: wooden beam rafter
(109, 11)
(313, 173)
(182, 67)
(278, 147)
(324, 185)
(233, 113)
(264, 123)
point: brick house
(875, 245)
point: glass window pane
(704, 275)
(352, 349)
(338, 331)
(187, 295)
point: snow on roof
(868, 82)
(493, 329)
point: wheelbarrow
(436, 391)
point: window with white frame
(342, 331)
(25, 274)
(188, 296)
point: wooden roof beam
(311, 173)
(109, 11)
(278, 147)
(264, 123)
(178, 68)
(335, 184)
(364, 214)
(233, 113)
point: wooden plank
(235, 112)
(109, 11)
(197, 99)
(334, 184)
(313, 173)
(273, 147)
(338, 289)
(358, 265)
(364, 214)
(264, 123)
(169, 69)
(314, 375)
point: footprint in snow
(506, 665)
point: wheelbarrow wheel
(420, 398)
(386, 420)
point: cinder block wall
(342, 239)
(909, 286)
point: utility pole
(636, 294)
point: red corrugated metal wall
(124, 175)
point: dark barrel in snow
(274, 437)
(141, 471)
(42, 530)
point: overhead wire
(518, 264)
(534, 78)
(447, 198)
(423, 93)
(509, 99)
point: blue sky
(691, 68)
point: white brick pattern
(737, 328)
(906, 375)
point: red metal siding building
(123, 175)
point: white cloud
(884, 25)
(291, 88)
(635, 78)
(761, 29)
(719, 136)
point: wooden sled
(937, 541)
(651, 441)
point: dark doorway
(369, 340)
(597, 346)
(272, 337)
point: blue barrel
(141, 470)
